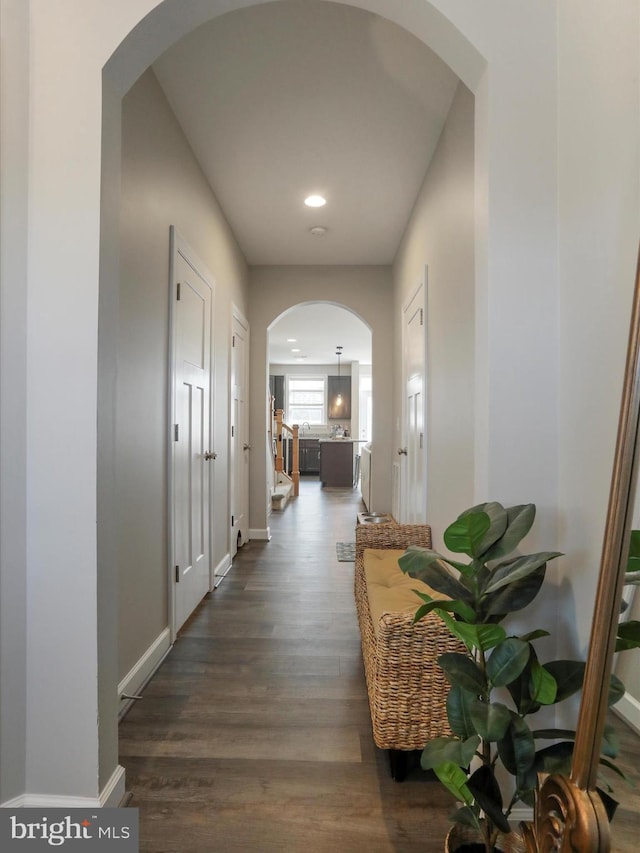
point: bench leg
(399, 764)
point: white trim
(111, 796)
(520, 814)
(114, 791)
(144, 668)
(628, 709)
(263, 534)
(221, 570)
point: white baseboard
(521, 813)
(114, 791)
(142, 671)
(265, 535)
(110, 797)
(221, 570)
(628, 709)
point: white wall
(599, 227)
(162, 185)
(440, 234)
(536, 243)
(14, 142)
(367, 291)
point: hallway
(254, 736)
(255, 733)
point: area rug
(346, 552)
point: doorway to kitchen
(319, 357)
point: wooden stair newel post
(295, 461)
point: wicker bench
(407, 689)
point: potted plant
(501, 683)
(629, 631)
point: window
(306, 400)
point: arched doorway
(75, 139)
(307, 346)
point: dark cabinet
(309, 456)
(276, 388)
(336, 463)
(339, 393)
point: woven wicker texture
(407, 689)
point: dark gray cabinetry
(276, 387)
(336, 463)
(309, 455)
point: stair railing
(283, 432)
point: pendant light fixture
(339, 397)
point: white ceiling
(286, 98)
(309, 325)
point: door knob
(402, 451)
(246, 447)
(210, 454)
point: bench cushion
(389, 589)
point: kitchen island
(336, 462)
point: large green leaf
(459, 712)
(483, 637)
(518, 569)
(555, 758)
(610, 742)
(634, 543)
(466, 533)
(515, 596)
(442, 750)
(440, 605)
(521, 687)
(519, 522)
(461, 670)
(507, 661)
(534, 635)
(628, 635)
(616, 690)
(422, 564)
(544, 688)
(568, 675)
(491, 719)
(526, 787)
(517, 748)
(455, 780)
(553, 734)
(498, 519)
(467, 816)
(486, 790)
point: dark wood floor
(255, 734)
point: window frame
(302, 377)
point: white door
(413, 453)
(239, 455)
(192, 459)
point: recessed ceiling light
(291, 340)
(295, 350)
(318, 230)
(315, 201)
